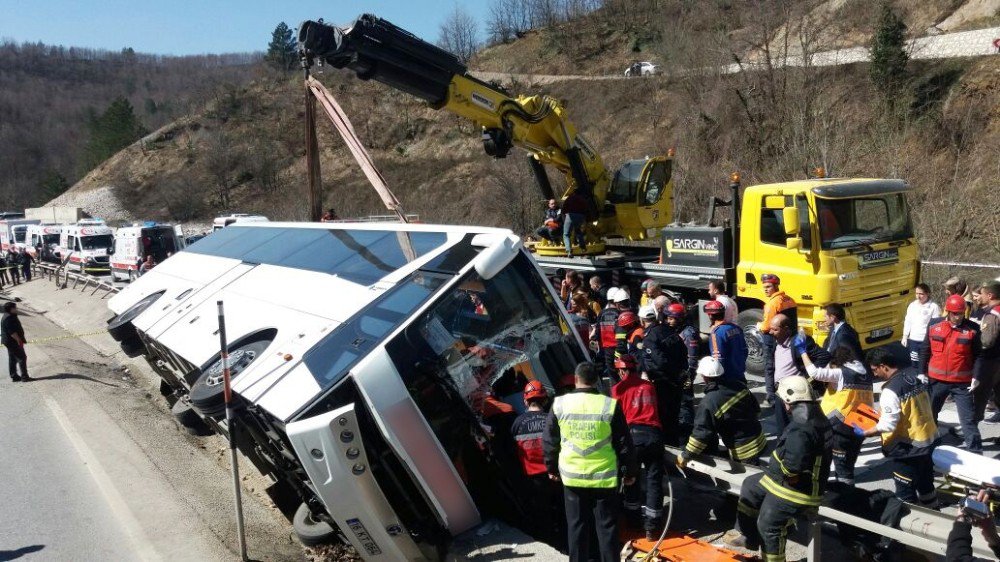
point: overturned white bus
(377, 368)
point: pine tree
(888, 54)
(111, 131)
(281, 51)
(53, 185)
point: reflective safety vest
(855, 390)
(586, 456)
(952, 354)
(916, 431)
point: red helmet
(955, 303)
(770, 278)
(626, 362)
(714, 307)
(627, 319)
(676, 310)
(535, 391)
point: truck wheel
(189, 419)
(312, 531)
(207, 392)
(120, 327)
(747, 320)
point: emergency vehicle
(86, 246)
(42, 242)
(13, 232)
(236, 218)
(133, 243)
(369, 363)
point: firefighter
(664, 357)
(793, 483)
(848, 386)
(637, 398)
(677, 322)
(907, 426)
(544, 497)
(588, 447)
(607, 323)
(726, 342)
(628, 335)
(777, 303)
(949, 358)
(727, 411)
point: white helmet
(647, 312)
(795, 389)
(709, 367)
(612, 293)
(621, 295)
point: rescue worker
(648, 319)
(678, 324)
(628, 336)
(907, 427)
(637, 398)
(544, 495)
(588, 447)
(949, 361)
(726, 342)
(990, 339)
(848, 386)
(777, 303)
(664, 356)
(607, 322)
(727, 411)
(793, 482)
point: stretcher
(967, 473)
(681, 548)
(863, 416)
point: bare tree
(459, 34)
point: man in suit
(841, 333)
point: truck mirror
(793, 243)
(774, 202)
(791, 219)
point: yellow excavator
(634, 203)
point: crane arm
(375, 49)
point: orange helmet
(955, 303)
(627, 318)
(535, 391)
(626, 362)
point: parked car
(645, 68)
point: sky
(186, 27)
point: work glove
(973, 385)
(799, 344)
(923, 379)
(681, 461)
(857, 430)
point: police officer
(727, 411)
(848, 386)
(677, 322)
(793, 482)
(637, 398)
(777, 303)
(607, 323)
(726, 342)
(907, 426)
(544, 496)
(949, 358)
(664, 357)
(588, 447)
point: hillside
(243, 151)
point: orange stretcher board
(864, 416)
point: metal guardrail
(922, 529)
(62, 277)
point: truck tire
(120, 327)
(312, 531)
(187, 418)
(207, 392)
(747, 320)
(133, 347)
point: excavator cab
(642, 194)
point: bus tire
(120, 327)
(133, 347)
(748, 320)
(312, 531)
(207, 392)
(187, 418)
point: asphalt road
(95, 468)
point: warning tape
(65, 337)
(961, 264)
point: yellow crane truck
(830, 240)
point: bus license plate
(880, 333)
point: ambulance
(134, 243)
(236, 218)
(13, 232)
(43, 242)
(86, 246)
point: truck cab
(848, 241)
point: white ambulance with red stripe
(134, 243)
(87, 246)
(42, 242)
(13, 232)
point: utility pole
(312, 151)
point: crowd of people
(15, 264)
(600, 446)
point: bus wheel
(312, 531)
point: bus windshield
(845, 223)
(100, 241)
